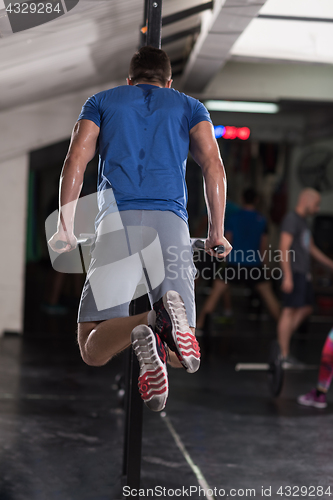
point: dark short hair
(150, 64)
(249, 195)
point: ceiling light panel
(297, 8)
(286, 40)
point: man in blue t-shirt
(143, 132)
(247, 230)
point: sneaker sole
(153, 378)
(188, 350)
(311, 403)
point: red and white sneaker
(152, 356)
(173, 328)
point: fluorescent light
(242, 106)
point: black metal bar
(134, 430)
(127, 368)
(133, 402)
(133, 409)
(82, 259)
(143, 35)
(183, 14)
(296, 18)
(154, 23)
(181, 34)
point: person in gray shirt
(297, 248)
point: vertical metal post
(134, 410)
(143, 33)
(154, 23)
(133, 401)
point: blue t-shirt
(247, 227)
(143, 146)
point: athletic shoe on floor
(173, 328)
(311, 399)
(152, 357)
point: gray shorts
(137, 252)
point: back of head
(151, 65)
(308, 194)
(249, 196)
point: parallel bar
(183, 14)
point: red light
(230, 133)
(243, 133)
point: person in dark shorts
(247, 230)
(143, 132)
(297, 248)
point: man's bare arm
(205, 151)
(81, 150)
(286, 240)
(320, 256)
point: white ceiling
(78, 50)
(298, 8)
(287, 39)
(93, 46)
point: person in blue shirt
(246, 229)
(143, 132)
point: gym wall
(24, 129)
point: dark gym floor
(61, 425)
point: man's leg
(285, 329)
(219, 287)
(100, 341)
(266, 293)
(301, 314)
(289, 320)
